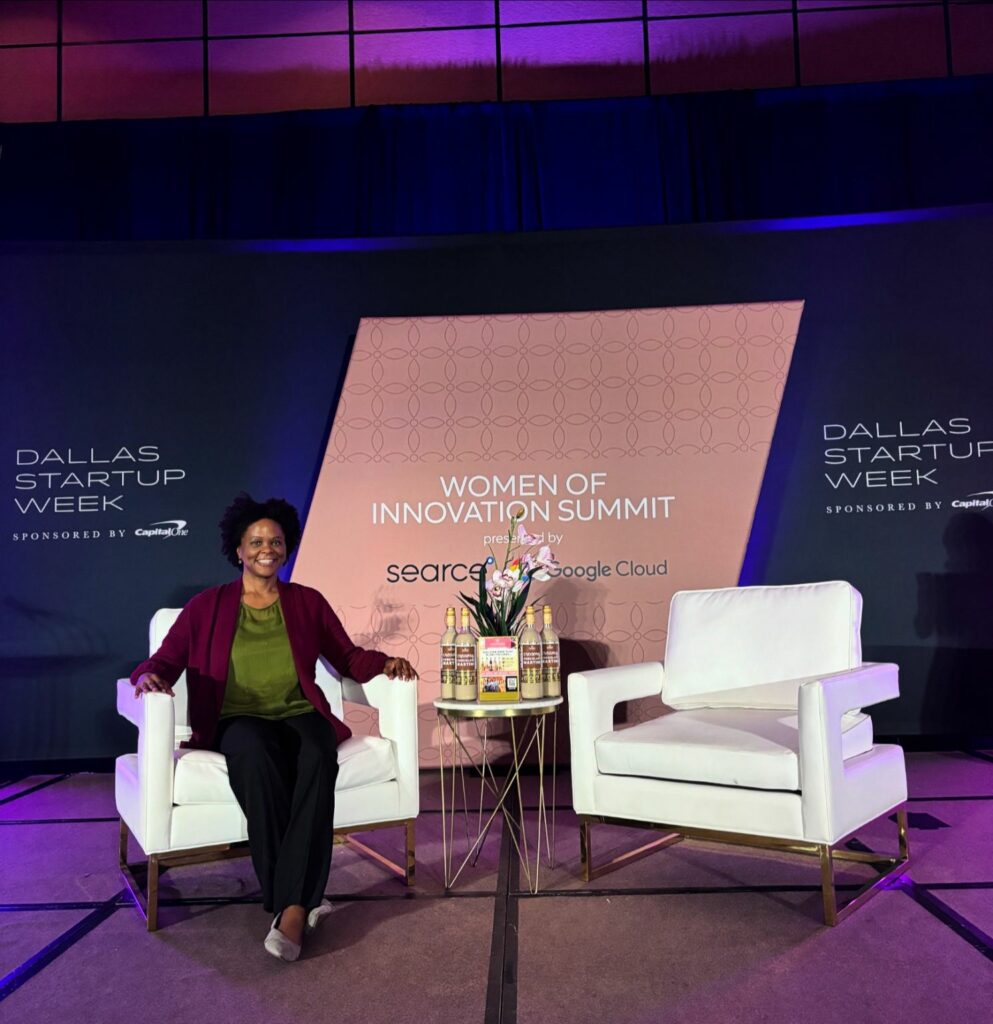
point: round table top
(497, 709)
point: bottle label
(530, 656)
(530, 668)
(465, 665)
(447, 665)
(550, 668)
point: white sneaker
(279, 945)
(317, 915)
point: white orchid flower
(546, 557)
(501, 580)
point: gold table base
(528, 732)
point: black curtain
(461, 168)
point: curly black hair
(244, 511)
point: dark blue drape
(418, 170)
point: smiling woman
(250, 650)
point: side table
(527, 720)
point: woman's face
(263, 548)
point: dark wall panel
(225, 363)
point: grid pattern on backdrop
(93, 59)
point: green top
(262, 679)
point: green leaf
(486, 621)
(517, 605)
(491, 621)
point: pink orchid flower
(523, 537)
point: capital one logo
(164, 528)
(980, 499)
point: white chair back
(745, 636)
(162, 622)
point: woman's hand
(399, 668)
(149, 682)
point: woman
(250, 649)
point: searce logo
(433, 572)
(164, 528)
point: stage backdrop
(144, 385)
(633, 441)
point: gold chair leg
(827, 885)
(888, 867)
(122, 845)
(585, 851)
(147, 902)
(404, 870)
(901, 828)
(153, 892)
(410, 845)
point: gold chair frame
(146, 898)
(888, 866)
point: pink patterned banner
(636, 441)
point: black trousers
(283, 775)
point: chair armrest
(127, 706)
(870, 683)
(155, 716)
(838, 797)
(373, 694)
(395, 701)
(592, 698)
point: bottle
(550, 665)
(448, 656)
(465, 661)
(529, 646)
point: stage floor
(695, 933)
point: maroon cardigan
(200, 643)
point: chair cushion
(202, 775)
(749, 636)
(781, 695)
(723, 746)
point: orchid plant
(503, 595)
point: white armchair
(766, 743)
(178, 803)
